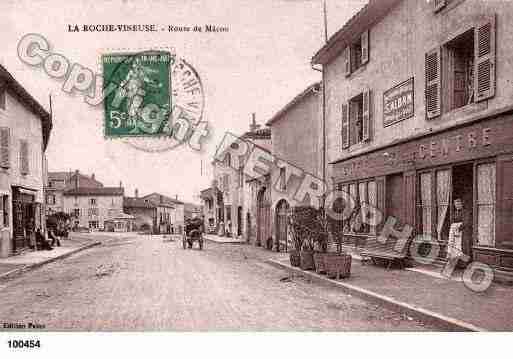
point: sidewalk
(224, 240)
(26, 261)
(446, 302)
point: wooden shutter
(365, 47)
(345, 125)
(438, 5)
(24, 157)
(347, 60)
(433, 83)
(504, 202)
(484, 72)
(366, 116)
(5, 139)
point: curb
(232, 242)
(29, 267)
(425, 315)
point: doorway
(282, 218)
(463, 188)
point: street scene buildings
(377, 196)
(25, 131)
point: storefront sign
(484, 139)
(398, 103)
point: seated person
(41, 241)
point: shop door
(263, 216)
(18, 225)
(282, 212)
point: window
(2, 98)
(485, 205)
(93, 224)
(356, 120)
(226, 183)
(92, 201)
(241, 176)
(92, 211)
(50, 199)
(4, 210)
(5, 152)
(76, 212)
(24, 157)
(356, 53)
(462, 71)
(364, 194)
(228, 159)
(283, 179)
(459, 71)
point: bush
(307, 228)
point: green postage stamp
(139, 101)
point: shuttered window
(485, 59)
(486, 178)
(5, 139)
(24, 157)
(345, 125)
(2, 98)
(366, 116)
(433, 83)
(365, 47)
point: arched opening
(282, 219)
(263, 216)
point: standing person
(41, 240)
(53, 236)
(460, 233)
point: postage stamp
(141, 102)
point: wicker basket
(295, 259)
(338, 265)
(307, 260)
(318, 257)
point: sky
(258, 66)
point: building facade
(25, 128)
(296, 132)
(419, 114)
(91, 207)
(170, 213)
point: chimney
(77, 182)
(176, 197)
(136, 193)
(161, 198)
(253, 125)
(92, 176)
(120, 184)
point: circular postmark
(157, 101)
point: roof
(120, 216)
(367, 16)
(29, 101)
(309, 90)
(137, 203)
(95, 191)
(259, 134)
(165, 199)
(207, 193)
(69, 178)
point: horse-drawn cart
(193, 233)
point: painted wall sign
(398, 103)
(484, 139)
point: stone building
(157, 217)
(229, 200)
(170, 213)
(419, 113)
(25, 128)
(297, 147)
(58, 182)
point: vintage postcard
(255, 166)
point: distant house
(149, 216)
(165, 216)
(25, 128)
(59, 182)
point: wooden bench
(369, 248)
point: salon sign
(398, 103)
